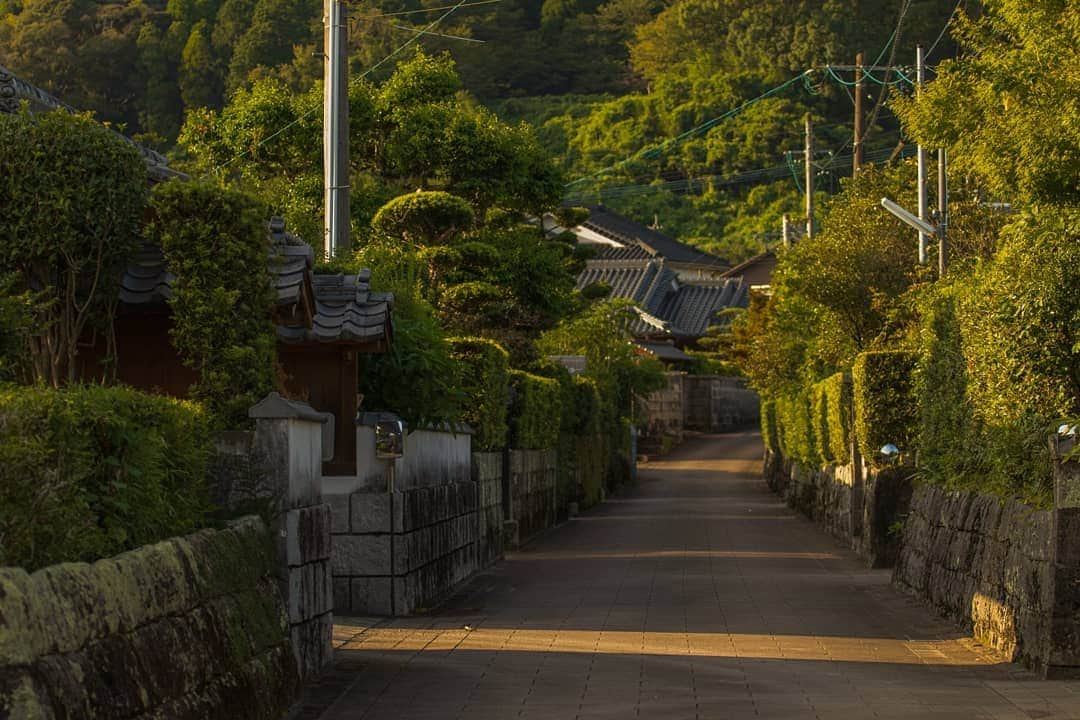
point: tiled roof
(634, 251)
(345, 310)
(667, 305)
(14, 91)
(627, 232)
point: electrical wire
(424, 10)
(944, 29)
(406, 28)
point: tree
(423, 218)
(73, 194)
(1008, 109)
(198, 79)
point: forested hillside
(632, 95)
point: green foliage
(837, 396)
(87, 472)
(15, 324)
(72, 195)
(485, 384)
(770, 432)
(215, 243)
(886, 408)
(535, 411)
(999, 366)
(423, 218)
(819, 412)
(1016, 128)
(795, 423)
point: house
(607, 229)
(323, 322)
(756, 273)
(671, 307)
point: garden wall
(715, 403)
(190, 627)
(404, 532)
(533, 494)
(487, 473)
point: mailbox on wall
(389, 439)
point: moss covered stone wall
(190, 627)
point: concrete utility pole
(786, 230)
(856, 145)
(920, 77)
(809, 157)
(943, 211)
(336, 128)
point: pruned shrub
(424, 217)
(885, 403)
(536, 411)
(769, 431)
(794, 416)
(836, 396)
(485, 384)
(89, 471)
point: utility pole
(336, 128)
(786, 230)
(809, 157)
(920, 78)
(943, 210)
(856, 145)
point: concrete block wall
(714, 403)
(532, 489)
(394, 553)
(487, 473)
(664, 414)
(405, 531)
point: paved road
(697, 596)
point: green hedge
(536, 411)
(485, 382)
(819, 416)
(769, 431)
(88, 471)
(836, 417)
(794, 418)
(886, 410)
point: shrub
(885, 405)
(796, 428)
(769, 430)
(836, 393)
(89, 471)
(216, 244)
(819, 415)
(536, 411)
(485, 384)
(424, 217)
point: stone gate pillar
(289, 443)
(1063, 629)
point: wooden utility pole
(809, 158)
(857, 148)
(920, 77)
(335, 128)
(943, 211)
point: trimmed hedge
(886, 409)
(794, 416)
(836, 394)
(770, 433)
(88, 471)
(819, 414)
(485, 381)
(536, 411)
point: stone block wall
(487, 473)
(664, 415)
(983, 562)
(190, 627)
(395, 552)
(532, 492)
(714, 403)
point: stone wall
(664, 416)
(532, 493)
(715, 403)
(487, 473)
(983, 562)
(193, 627)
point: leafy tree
(198, 81)
(73, 194)
(1017, 128)
(423, 217)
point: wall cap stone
(275, 407)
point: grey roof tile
(627, 232)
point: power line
(424, 10)
(944, 29)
